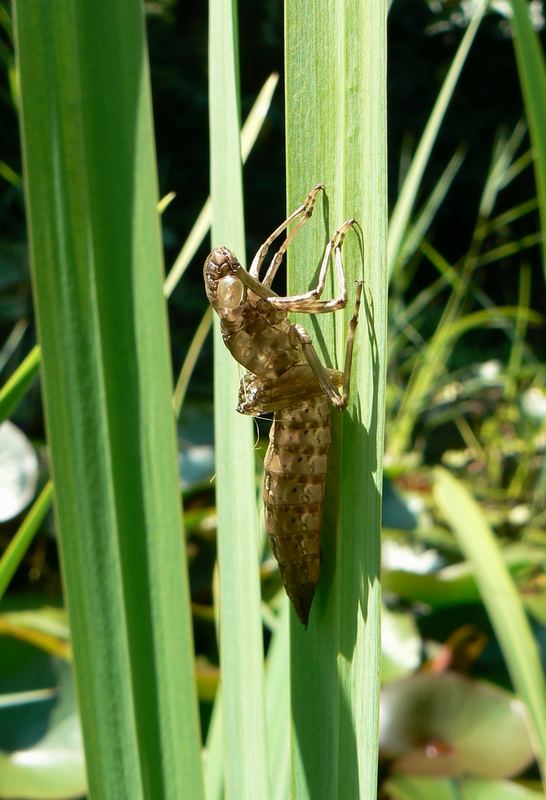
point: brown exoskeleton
(286, 376)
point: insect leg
(310, 302)
(337, 398)
(306, 209)
(349, 347)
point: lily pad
(403, 787)
(448, 725)
(18, 471)
(41, 752)
(455, 584)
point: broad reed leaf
(91, 193)
(336, 134)
(241, 645)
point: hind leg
(337, 398)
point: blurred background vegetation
(467, 338)
(423, 39)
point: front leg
(306, 209)
(310, 302)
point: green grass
(532, 77)
(400, 218)
(501, 600)
(19, 383)
(431, 356)
(18, 546)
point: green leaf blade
(97, 272)
(241, 642)
(336, 124)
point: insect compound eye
(230, 292)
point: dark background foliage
(487, 99)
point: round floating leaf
(41, 755)
(450, 725)
(18, 471)
(402, 787)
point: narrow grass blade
(15, 551)
(418, 231)
(165, 202)
(500, 172)
(249, 134)
(190, 361)
(336, 134)
(241, 646)
(434, 360)
(91, 192)
(501, 600)
(532, 76)
(513, 368)
(514, 213)
(19, 383)
(496, 317)
(402, 211)
(519, 165)
(23, 698)
(510, 249)
(9, 174)
(12, 342)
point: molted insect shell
(295, 471)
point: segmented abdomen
(293, 493)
